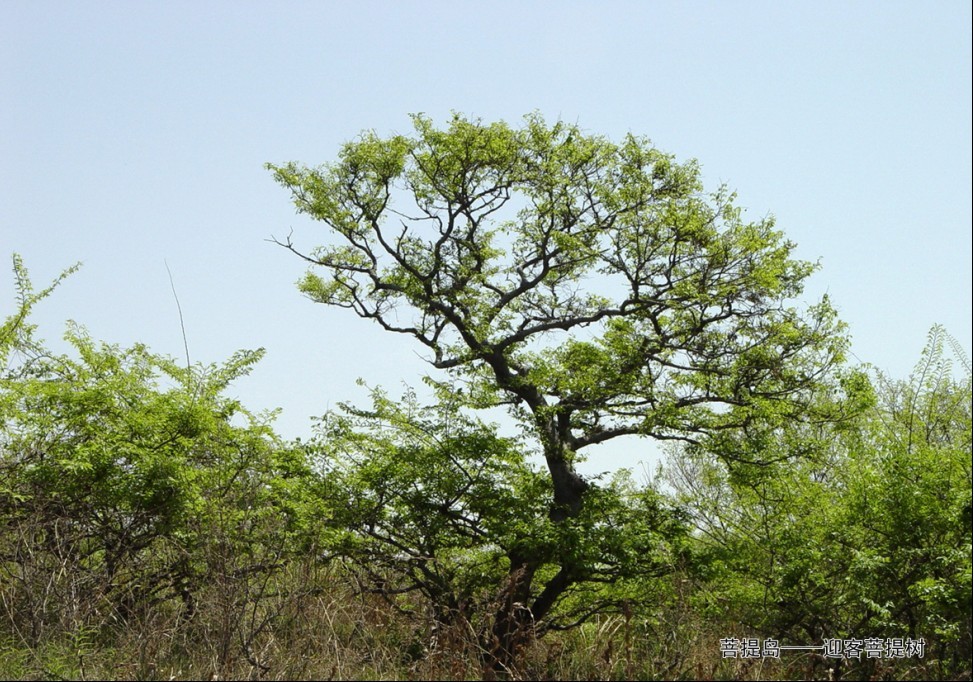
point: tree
(128, 481)
(872, 538)
(430, 508)
(908, 508)
(427, 501)
(591, 286)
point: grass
(309, 623)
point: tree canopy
(593, 285)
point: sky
(134, 136)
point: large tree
(592, 286)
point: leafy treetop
(593, 286)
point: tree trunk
(515, 619)
(569, 488)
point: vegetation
(872, 537)
(591, 287)
(151, 527)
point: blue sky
(134, 134)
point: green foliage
(869, 536)
(16, 333)
(594, 289)
(908, 513)
(431, 502)
(427, 497)
(592, 283)
(126, 477)
(146, 518)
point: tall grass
(305, 620)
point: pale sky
(134, 134)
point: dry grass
(307, 622)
